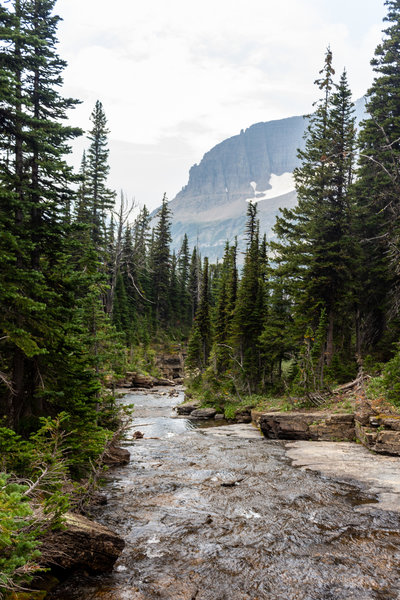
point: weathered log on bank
(83, 544)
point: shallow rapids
(219, 513)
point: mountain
(257, 164)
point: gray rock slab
(239, 430)
(379, 475)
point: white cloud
(160, 67)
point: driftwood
(316, 398)
(357, 384)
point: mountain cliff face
(257, 164)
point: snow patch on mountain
(280, 186)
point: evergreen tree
(174, 296)
(83, 213)
(276, 340)
(183, 282)
(200, 340)
(194, 280)
(102, 198)
(141, 269)
(250, 310)
(35, 183)
(224, 310)
(315, 251)
(378, 188)
(161, 264)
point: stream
(220, 513)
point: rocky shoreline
(86, 545)
(376, 430)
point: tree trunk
(329, 340)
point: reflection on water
(220, 514)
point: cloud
(200, 72)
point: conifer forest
(90, 288)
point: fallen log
(359, 382)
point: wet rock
(219, 417)
(138, 435)
(116, 456)
(83, 544)
(308, 426)
(203, 413)
(187, 409)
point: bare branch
(137, 289)
(380, 165)
(7, 382)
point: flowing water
(219, 513)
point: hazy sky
(176, 76)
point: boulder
(82, 544)
(142, 381)
(187, 409)
(203, 413)
(307, 426)
(162, 381)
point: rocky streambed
(220, 513)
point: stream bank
(219, 513)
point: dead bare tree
(123, 214)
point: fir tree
(183, 279)
(161, 264)
(224, 310)
(315, 251)
(35, 181)
(250, 310)
(194, 280)
(200, 340)
(102, 198)
(378, 187)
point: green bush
(388, 384)
(18, 536)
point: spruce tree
(102, 197)
(250, 309)
(378, 188)
(200, 340)
(315, 248)
(194, 280)
(35, 181)
(183, 279)
(161, 264)
(224, 310)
